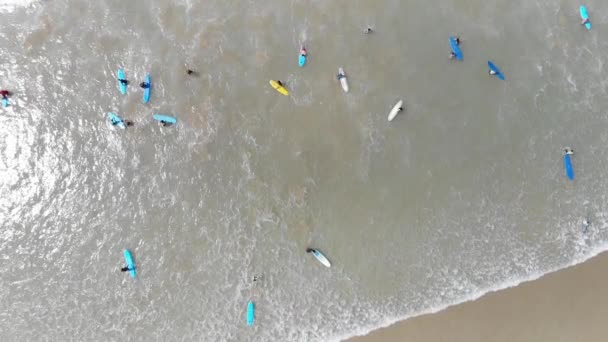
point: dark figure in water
(128, 122)
(125, 269)
(191, 72)
(368, 30)
(310, 250)
(125, 82)
(5, 93)
(165, 123)
(144, 85)
(280, 83)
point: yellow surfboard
(279, 87)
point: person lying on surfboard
(125, 82)
(585, 21)
(125, 269)
(340, 76)
(303, 51)
(368, 30)
(568, 151)
(5, 93)
(492, 72)
(144, 85)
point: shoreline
(566, 305)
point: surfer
(457, 39)
(5, 93)
(492, 72)
(303, 52)
(165, 123)
(280, 83)
(368, 30)
(586, 225)
(452, 55)
(191, 72)
(144, 85)
(128, 122)
(585, 21)
(568, 150)
(126, 269)
(340, 76)
(124, 82)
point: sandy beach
(568, 305)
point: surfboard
(122, 86)
(250, 313)
(130, 263)
(395, 110)
(4, 102)
(164, 118)
(302, 57)
(319, 256)
(456, 48)
(279, 87)
(116, 120)
(342, 79)
(585, 15)
(148, 89)
(568, 165)
(494, 68)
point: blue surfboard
(148, 89)
(116, 120)
(130, 263)
(250, 313)
(122, 86)
(494, 68)
(456, 48)
(164, 118)
(568, 166)
(4, 102)
(585, 15)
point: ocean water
(463, 193)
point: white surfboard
(343, 80)
(396, 109)
(319, 256)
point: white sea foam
(7, 6)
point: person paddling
(123, 82)
(126, 269)
(5, 93)
(303, 52)
(144, 85)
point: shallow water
(462, 193)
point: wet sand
(568, 305)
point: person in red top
(5, 93)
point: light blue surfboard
(116, 120)
(456, 48)
(147, 90)
(494, 68)
(164, 118)
(585, 15)
(568, 166)
(4, 102)
(130, 263)
(250, 313)
(122, 86)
